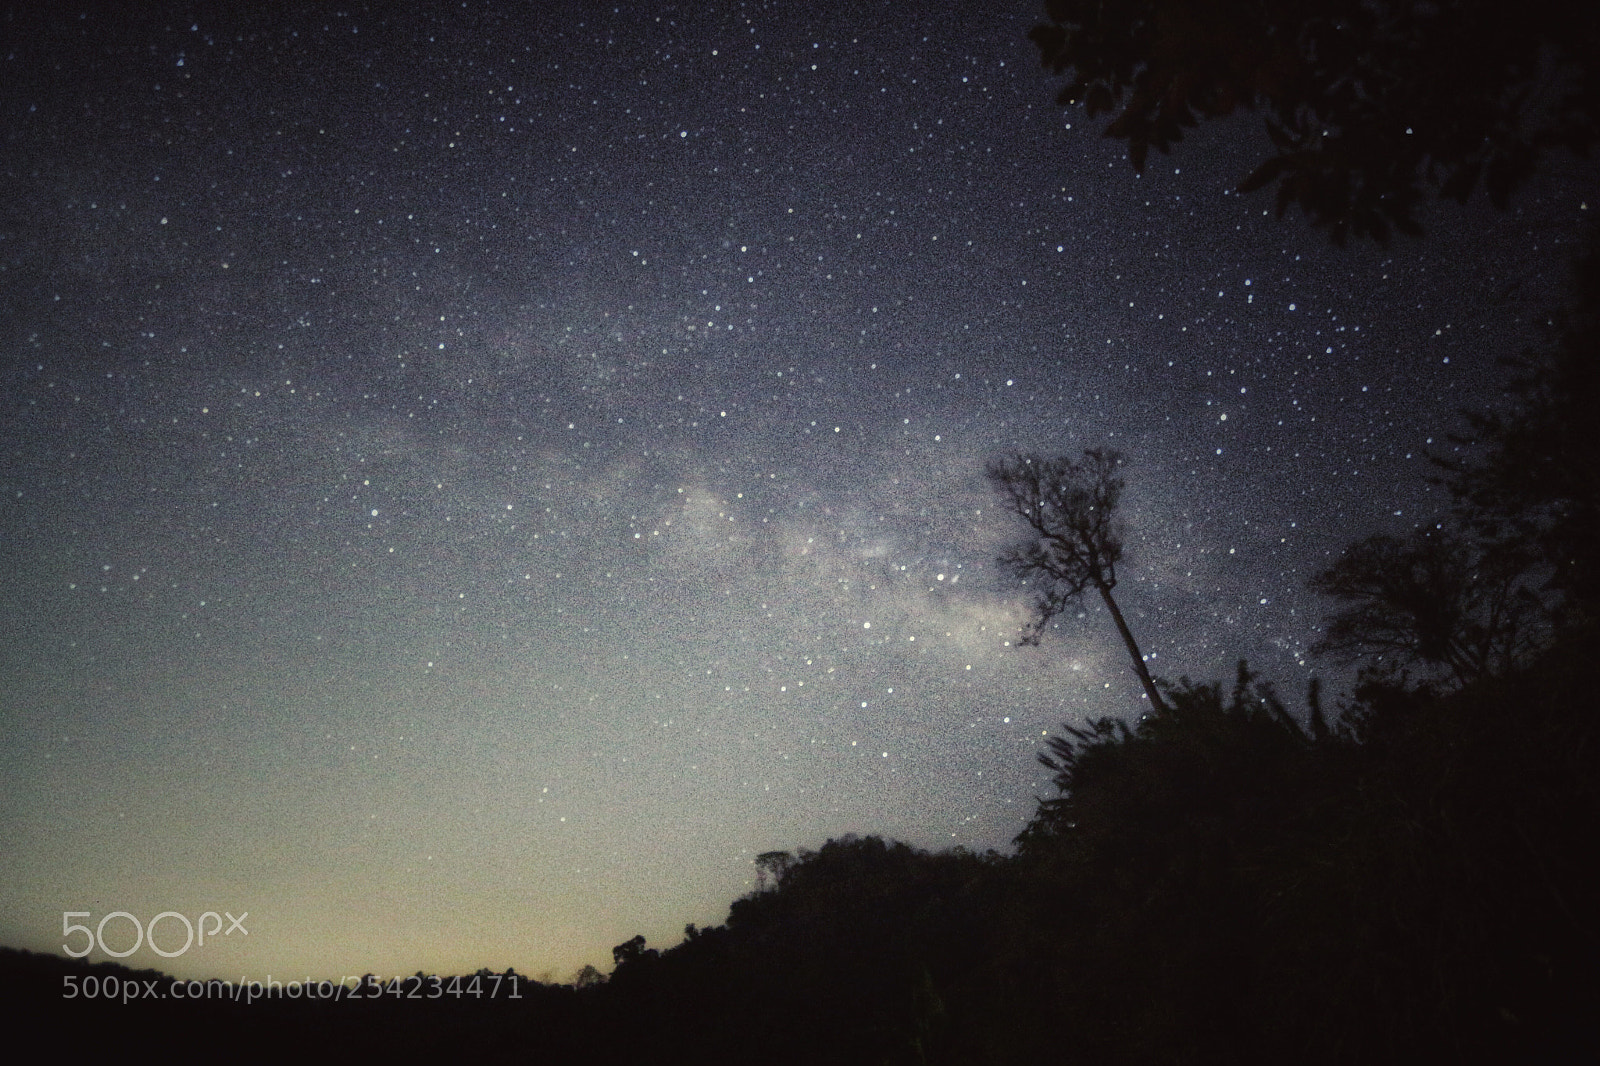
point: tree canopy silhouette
(1537, 487)
(1519, 561)
(1367, 102)
(1076, 539)
(1432, 599)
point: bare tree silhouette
(1075, 541)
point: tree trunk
(1133, 649)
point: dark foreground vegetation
(1219, 884)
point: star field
(473, 479)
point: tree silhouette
(1433, 599)
(770, 868)
(1367, 102)
(1537, 488)
(1152, 875)
(632, 952)
(1076, 540)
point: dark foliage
(1154, 869)
(1433, 599)
(865, 951)
(1537, 490)
(1369, 103)
(1231, 887)
(1518, 565)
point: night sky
(471, 480)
